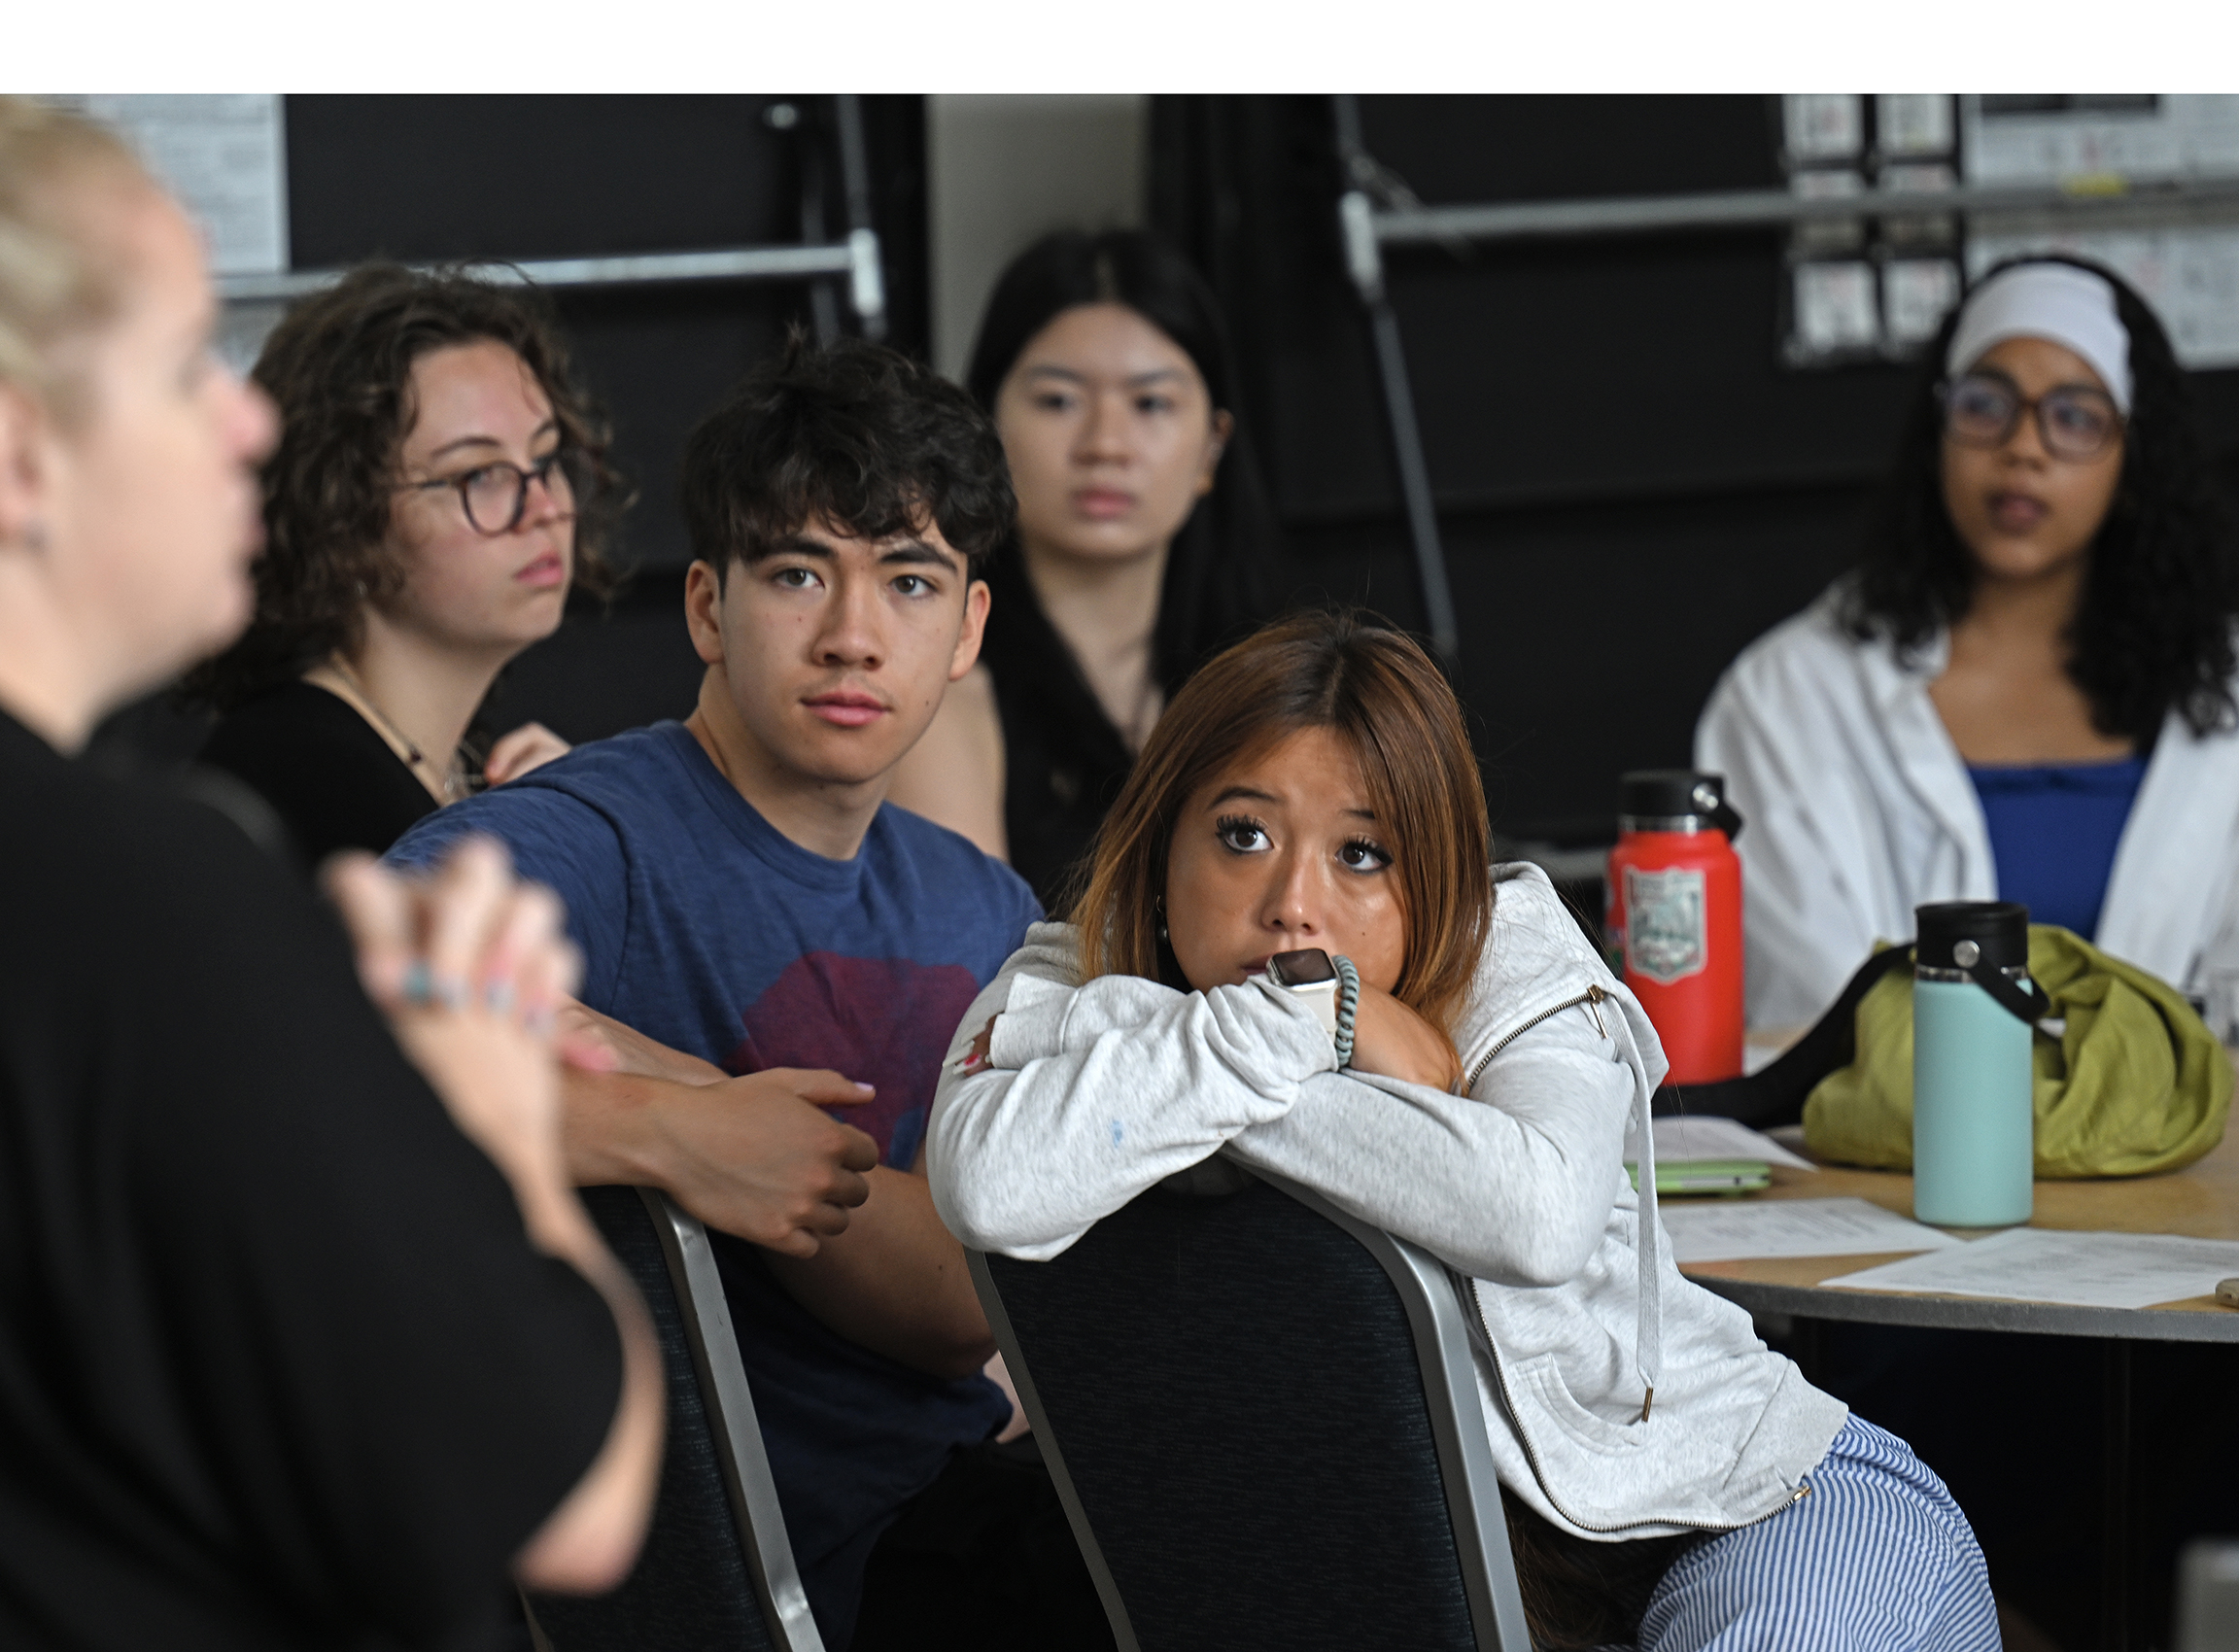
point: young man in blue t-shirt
(763, 936)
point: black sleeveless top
(1064, 763)
(332, 778)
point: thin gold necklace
(453, 778)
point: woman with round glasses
(439, 486)
(2025, 690)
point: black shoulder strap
(2024, 1000)
(1774, 1094)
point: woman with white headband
(2025, 690)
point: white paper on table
(1792, 1227)
(2082, 1270)
(1697, 1140)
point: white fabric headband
(2069, 306)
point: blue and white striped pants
(1878, 1559)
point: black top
(334, 782)
(277, 1367)
(1063, 761)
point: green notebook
(1708, 1176)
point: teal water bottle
(1973, 1012)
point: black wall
(1630, 484)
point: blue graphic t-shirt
(704, 927)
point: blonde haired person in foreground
(1669, 1481)
(285, 1361)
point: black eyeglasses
(2074, 421)
(496, 495)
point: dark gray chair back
(717, 1574)
(1264, 1420)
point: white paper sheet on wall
(2026, 140)
(1793, 1227)
(224, 156)
(2189, 272)
(2083, 1270)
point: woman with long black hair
(1143, 542)
(2025, 690)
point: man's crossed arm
(855, 1243)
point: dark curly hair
(854, 432)
(339, 366)
(2152, 631)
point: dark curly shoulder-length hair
(339, 367)
(2152, 631)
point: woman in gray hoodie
(1668, 1477)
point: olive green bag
(2133, 1083)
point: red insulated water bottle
(1675, 916)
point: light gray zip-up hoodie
(1096, 1094)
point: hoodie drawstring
(1648, 1333)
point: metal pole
(1415, 483)
(743, 264)
(1365, 266)
(823, 301)
(867, 279)
(1771, 208)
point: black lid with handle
(1960, 935)
(1674, 794)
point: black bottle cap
(1997, 933)
(1669, 794)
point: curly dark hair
(854, 432)
(2152, 631)
(339, 366)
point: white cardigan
(1097, 1092)
(1858, 808)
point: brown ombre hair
(1375, 687)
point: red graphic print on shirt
(885, 1021)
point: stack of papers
(2082, 1270)
(1710, 1156)
(1795, 1228)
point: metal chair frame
(731, 1419)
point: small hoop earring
(1158, 905)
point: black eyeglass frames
(2075, 422)
(496, 495)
